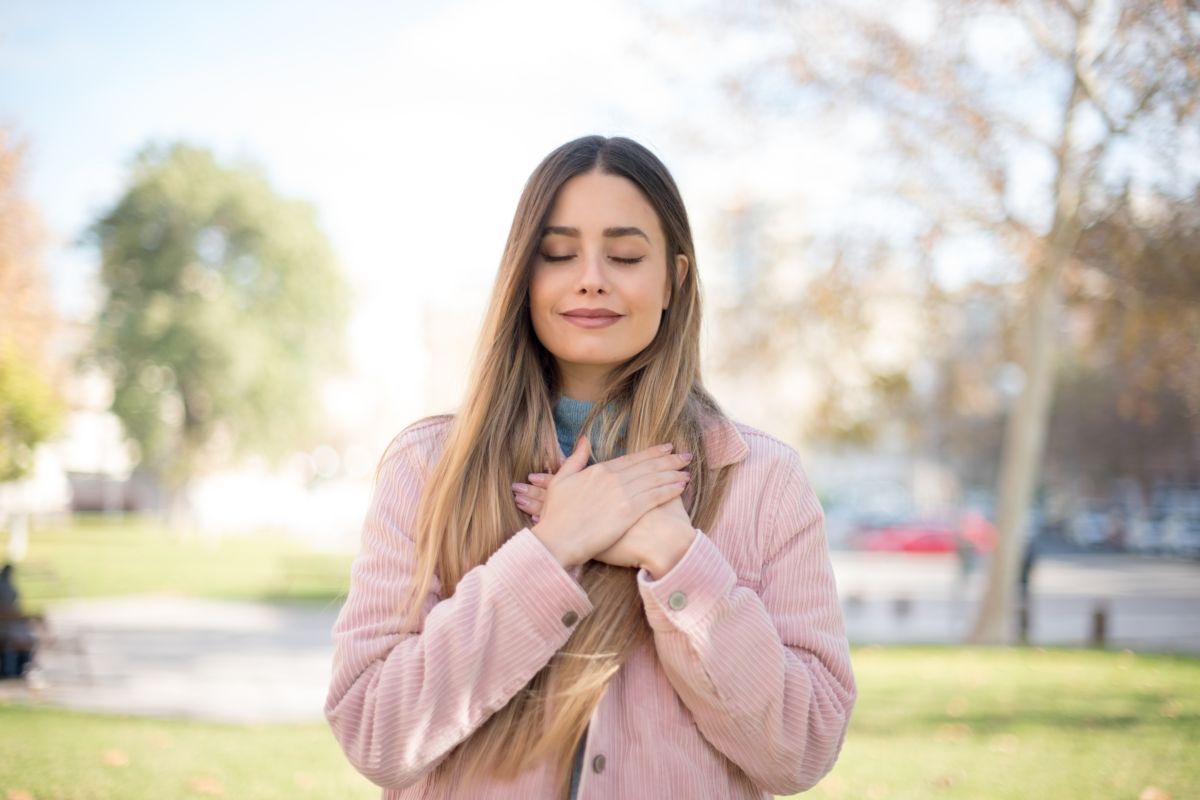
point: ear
(681, 268)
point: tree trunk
(1025, 431)
(1024, 438)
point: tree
(1006, 125)
(224, 309)
(30, 409)
(1130, 401)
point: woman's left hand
(656, 541)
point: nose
(593, 276)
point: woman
(652, 616)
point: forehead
(594, 201)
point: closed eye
(614, 258)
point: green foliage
(30, 413)
(225, 308)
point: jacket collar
(723, 442)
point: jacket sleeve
(766, 674)
(402, 698)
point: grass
(62, 755)
(1019, 723)
(934, 722)
(99, 556)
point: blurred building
(92, 451)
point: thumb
(577, 460)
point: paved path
(176, 657)
(257, 662)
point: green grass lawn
(937, 722)
(98, 556)
(64, 755)
(1020, 723)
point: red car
(918, 536)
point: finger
(577, 460)
(527, 504)
(630, 459)
(652, 498)
(663, 463)
(654, 480)
(536, 492)
(540, 478)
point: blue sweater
(569, 415)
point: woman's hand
(656, 541)
(585, 510)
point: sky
(410, 126)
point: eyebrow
(608, 233)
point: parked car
(971, 529)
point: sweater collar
(723, 442)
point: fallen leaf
(18, 794)
(162, 740)
(1153, 793)
(953, 731)
(1171, 708)
(208, 786)
(116, 758)
(1005, 743)
(945, 781)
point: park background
(949, 250)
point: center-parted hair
(505, 430)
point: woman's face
(599, 281)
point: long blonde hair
(505, 430)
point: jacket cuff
(683, 597)
(553, 601)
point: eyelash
(554, 259)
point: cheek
(647, 302)
(541, 301)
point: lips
(591, 317)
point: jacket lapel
(723, 443)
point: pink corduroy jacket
(745, 692)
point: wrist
(558, 548)
(674, 544)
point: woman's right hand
(586, 509)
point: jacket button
(677, 600)
(570, 618)
(598, 764)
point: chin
(593, 358)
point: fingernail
(536, 518)
(520, 488)
(666, 448)
(682, 484)
(686, 457)
(522, 500)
